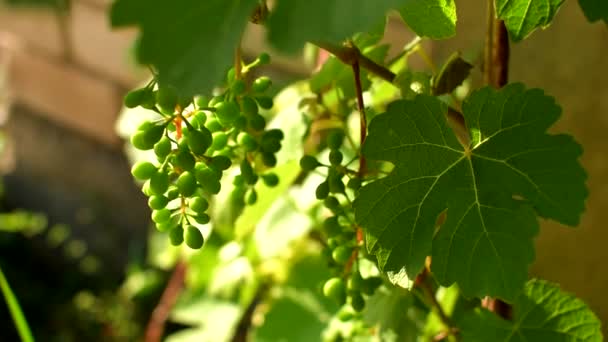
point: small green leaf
(524, 16)
(453, 72)
(541, 313)
(190, 42)
(492, 190)
(435, 19)
(595, 9)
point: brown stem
(349, 54)
(241, 333)
(362, 119)
(422, 282)
(496, 71)
(156, 325)
(238, 62)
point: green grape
(145, 125)
(157, 202)
(238, 87)
(166, 99)
(166, 226)
(239, 181)
(344, 316)
(252, 197)
(199, 140)
(198, 204)
(335, 289)
(135, 97)
(265, 102)
(237, 196)
(275, 133)
(357, 302)
(264, 58)
(354, 183)
(240, 123)
(356, 281)
(153, 134)
(172, 193)
(322, 191)
(208, 179)
(256, 122)
(370, 285)
(247, 172)
(194, 238)
(202, 218)
(148, 100)
(342, 254)
(261, 84)
(309, 163)
(171, 127)
(143, 170)
(231, 75)
(186, 183)
(198, 119)
(184, 101)
(220, 140)
(146, 189)
(336, 186)
(227, 112)
(162, 215)
(220, 163)
(270, 144)
(335, 157)
(346, 237)
(215, 100)
(335, 139)
(247, 141)
(138, 141)
(201, 101)
(213, 125)
(176, 235)
(332, 244)
(184, 160)
(269, 159)
(270, 179)
(331, 226)
(159, 183)
(332, 203)
(249, 106)
(162, 148)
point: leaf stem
(155, 329)
(362, 118)
(496, 71)
(15, 310)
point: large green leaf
(524, 16)
(435, 19)
(492, 190)
(294, 22)
(595, 9)
(190, 42)
(541, 313)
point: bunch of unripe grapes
(344, 241)
(195, 140)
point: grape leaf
(435, 19)
(595, 9)
(492, 189)
(541, 313)
(292, 23)
(190, 42)
(524, 16)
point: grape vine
(418, 196)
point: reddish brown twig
(156, 324)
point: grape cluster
(195, 141)
(344, 240)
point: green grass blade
(15, 310)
